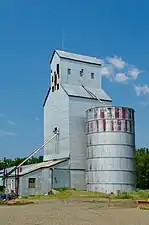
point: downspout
(52, 178)
(17, 187)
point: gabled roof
(79, 91)
(77, 57)
(33, 167)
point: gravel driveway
(71, 213)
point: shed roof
(77, 57)
(79, 91)
(33, 167)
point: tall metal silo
(111, 165)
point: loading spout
(30, 155)
(93, 95)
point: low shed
(38, 179)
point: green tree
(17, 161)
(142, 168)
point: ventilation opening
(55, 130)
(81, 73)
(69, 71)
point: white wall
(75, 78)
(77, 128)
(78, 138)
(56, 114)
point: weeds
(65, 193)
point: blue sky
(116, 31)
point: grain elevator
(92, 142)
(98, 139)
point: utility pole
(4, 171)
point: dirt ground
(73, 212)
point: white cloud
(142, 89)
(120, 77)
(104, 71)
(11, 122)
(134, 72)
(117, 62)
(7, 133)
(107, 70)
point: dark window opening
(31, 182)
(57, 86)
(81, 73)
(55, 130)
(57, 68)
(55, 80)
(69, 71)
(92, 75)
(51, 71)
(53, 89)
(52, 78)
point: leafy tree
(15, 162)
(142, 168)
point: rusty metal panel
(110, 149)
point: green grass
(64, 193)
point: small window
(51, 71)
(53, 89)
(81, 73)
(92, 75)
(55, 129)
(57, 86)
(69, 71)
(52, 78)
(31, 182)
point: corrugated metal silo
(111, 163)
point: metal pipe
(33, 153)
(4, 172)
(52, 178)
(17, 187)
(36, 150)
(93, 95)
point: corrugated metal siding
(10, 183)
(62, 175)
(24, 189)
(111, 162)
(44, 182)
(75, 79)
(77, 180)
(56, 114)
(79, 91)
(78, 139)
(61, 178)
